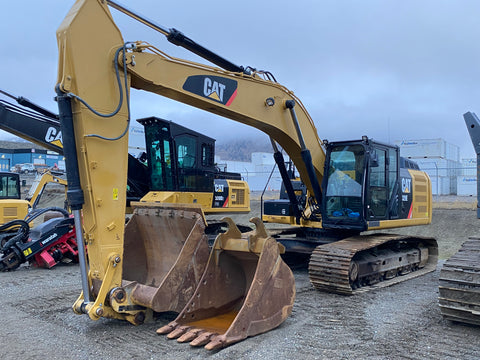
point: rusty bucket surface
(166, 251)
(245, 290)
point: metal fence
(445, 180)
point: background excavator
(22, 237)
(187, 175)
(243, 288)
(12, 206)
(37, 124)
(459, 286)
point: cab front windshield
(345, 182)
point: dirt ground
(399, 322)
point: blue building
(12, 153)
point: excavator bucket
(245, 290)
(166, 251)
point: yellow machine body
(238, 198)
(419, 211)
(12, 210)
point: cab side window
(377, 206)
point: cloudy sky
(388, 69)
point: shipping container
(469, 167)
(437, 148)
(467, 185)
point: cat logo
(54, 136)
(216, 88)
(406, 185)
(213, 89)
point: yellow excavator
(12, 206)
(40, 183)
(160, 260)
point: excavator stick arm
(87, 41)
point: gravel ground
(402, 321)
(399, 322)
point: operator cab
(9, 185)
(361, 185)
(180, 159)
(366, 184)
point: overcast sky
(388, 69)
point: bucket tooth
(202, 339)
(178, 332)
(246, 290)
(167, 328)
(190, 335)
(217, 343)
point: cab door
(383, 188)
(377, 194)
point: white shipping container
(452, 152)
(454, 167)
(61, 165)
(136, 138)
(265, 169)
(258, 183)
(470, 162)
(467, 185)
(428, 148)
(469, 167)
(242, 167)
